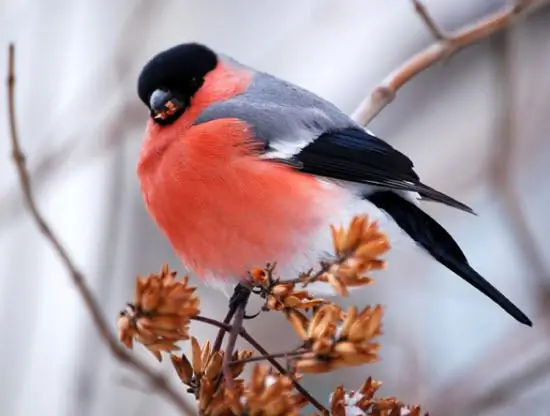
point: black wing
(355, 155)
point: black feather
(354, 155)
(427, 233)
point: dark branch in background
(445, 46)
(158, 382)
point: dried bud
(160, 314)
(238, 359)
(357, 252)
(183, 368)
(299, 322)
(202, 374)
(270, 394)
(259, 276)
(125, 331)
(334, 340)
(285, 297)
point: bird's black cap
(178, 72)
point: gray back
(282, 114)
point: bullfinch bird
(240, 168)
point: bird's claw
(253, 315)
(240, 296)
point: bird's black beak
(164, 104)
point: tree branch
(158, 381)
(444, 47)
(424, 14)
(286, 355)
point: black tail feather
(435, 240)
(441, 198)
(431, 194)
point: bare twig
(230, 347)
(288, 354)
(453, 42)
(252, 341)
(221, 333)
(325, 267)
(437, 33)
(159, 382)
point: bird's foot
(240, 296)
(255, 315)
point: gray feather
(284, 116)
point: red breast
(223, 208)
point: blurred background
(477, 127)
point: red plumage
(224, 209)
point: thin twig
(221, 333)
(240, 297)
(233, 334)
(256, 345)
(159, 382)
(288, 354)
(385, 93)
(325, 267)
(425, 15)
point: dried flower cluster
(334, 339)
(203, 377)
(282, 296)
(267, 393)
(363, 402)
(331, 338)
(160, 314)
(358, 250)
